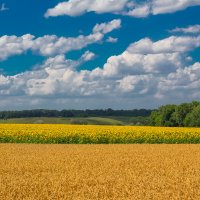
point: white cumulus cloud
(51, 45)
(137, 76)
(123, 7)
(194, 29)
(112, 40)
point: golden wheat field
(43, 172)
(93, 134)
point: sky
(93, 54)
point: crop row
(79, 134)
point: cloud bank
(152, 72)
(132, 8)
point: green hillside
(79, 120)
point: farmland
(29, 171)
(92, 134)
(112, 120)
(64, 161)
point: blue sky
(143, 53)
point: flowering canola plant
(93, 134)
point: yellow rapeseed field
(82, 134)
(99, 172)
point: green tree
(193, 119)
(155, 118)
(182, 111)
(167, 118)
(164, 116)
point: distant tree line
(186, 114)
(74, 113)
